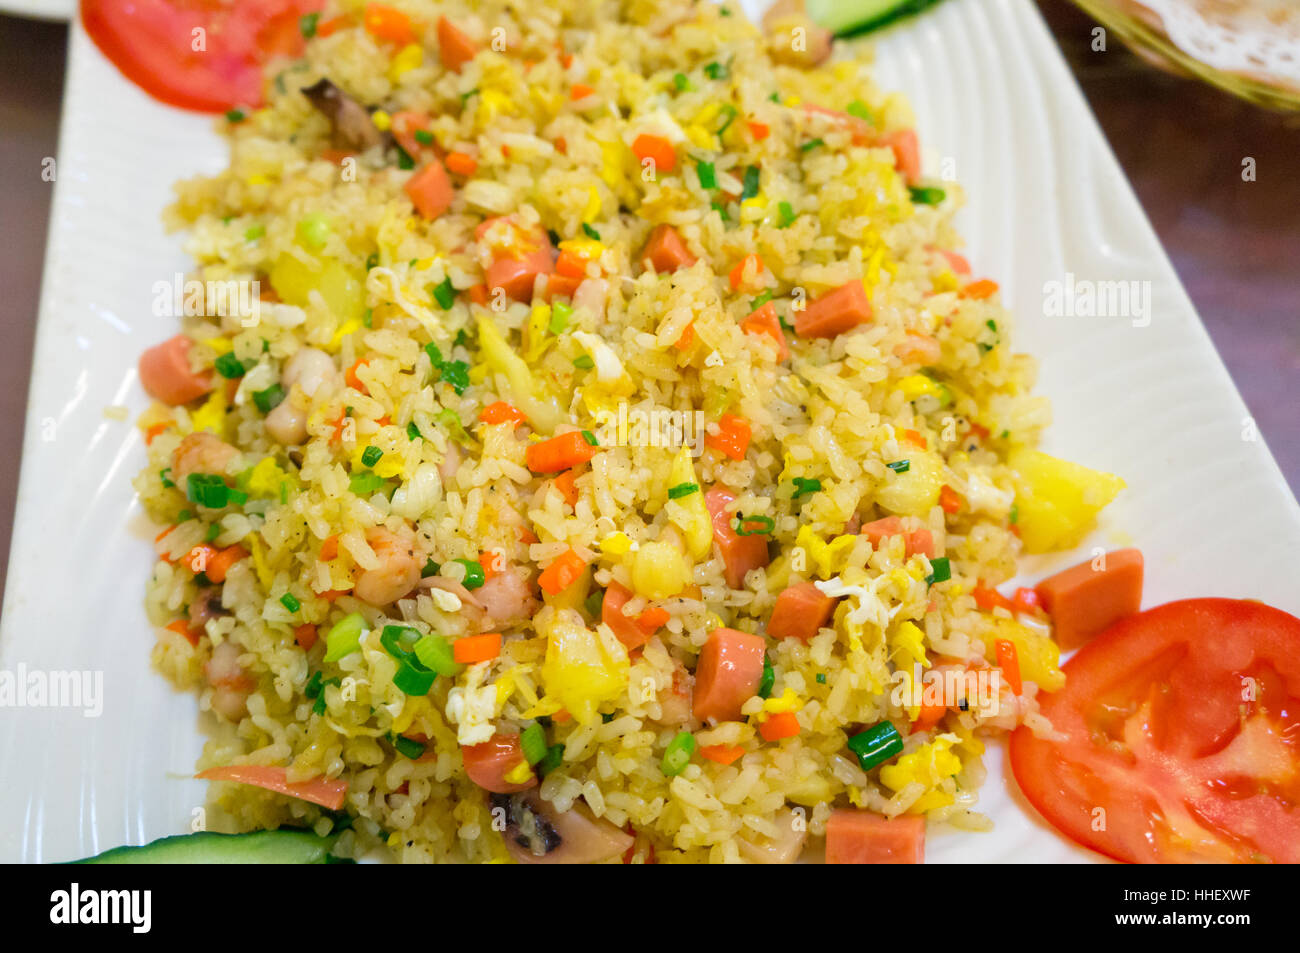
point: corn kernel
(407, 58)
(383, 122)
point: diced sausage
(800, 611)
(666, 251)
(166, 376)
(907, 154)
(727, 674)
(834, 312)
(455, 49)
(740, 554)
(918, 540)
(487, 764)
(430, 189)
(1083, 602)
(860, 837)
(764, 320)
(626, 628)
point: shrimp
(398, 571)
(287, 423)
(507, 597)
(231, 685)
(201, 452)
(675, 704)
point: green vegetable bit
(412, 431)
(532, 741)
(408, 747)
(941, 571)
(678, 754)
(370, 456)
(900, 466)
(366, 483)
(590, 232)
(926, 195)
(435, 654)
(876, 745)
(682, 489)
(765, 525)
(474, 576)
(289, 602)
(584, 362)
(767, 680)
(269, 399)
(444, 294)
(307, 24)
(803, 486)
(717, 71)
(554, 758)
(682, 82)
(785, 215)
(751, 182)
(708, 177)
(207, 489)
(345, 637)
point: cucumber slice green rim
(284, 846)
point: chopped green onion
(767, 680)
(590, 437)
(765, 523)
(267, 400)
(366, 483)
(413, 681)
(235, 115)
(682, 489)
(717, 71)
(877, 744)
(412, 431)
(859, 109)
(404, 160)
(594, 603)
(464, 97)
(456, 373)
(532, 742)
(444, 294)
(590, 232)
(408, 747)
(803, 486)
(455, 429)
(435, 654)
(560, 314)
(207, 489)
(900, 466)
(370, 456)
(229, 366)
(474, 576)
(811, 144)
(254, 232)
(708, 177)
(786, 215)
(345, 637)
(424, 137)
(682, 82)
(435, 355)
(430, 569)
(554, 758)
(941, 571)
(166, 481)
(923, 195)
(751, 183)
(1014, 514)
(372, 261)
(584, 362)
(184, 516)
(761, 300)
(314, 230)
(307, 24)
(289, 602)
(775, 97)
(821, 678)
(678, 754)
(213, 531)
(731, 113)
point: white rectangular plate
(995, 105)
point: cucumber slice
(850, 17)
(206, 847)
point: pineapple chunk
(294, 281)
(914, 491)
(582, 670)
(1057, 501)
(689, 513)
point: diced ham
(430, 189)
(727, 674)
(918, 540)
(764, 320)
(666, 251)
(455, 49)
(1083, 602)
(834, 312)
(487, 764)
(860, 837)
(907, 154)
(740, 554)
(515, 266)
(626, 628)
(166, 376)
(800, 611)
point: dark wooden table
(1236, 244)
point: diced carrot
(860, 837)
(527, 536)
(653, 619)
(834, 312)
(570, 264)
(476, 648)
(561, 286)
(430, 190)
(154, 431)
(783, 724)
(408, 127)
(501, 412)
(907, 154)
(516, 271)
(989, 599)
(492, 563)
(327, 792)
(220, 563)
(687, 338)
(978, 290)
(860, 131)
(561, 145)
(559, 453)
(389, 24)
(166, 376)
(1083, 602)
(722, 754)
(183, 628)
(732, 438)
(626, 629)
(478, 294)
(563, 572)
(197, 559)
(915, 438)
(656, 148)
(800, 612)
(950, 500)
(740, 554)
(455, 49)
(331, 26)
(461, 163)
(764, 320)
(337, 156)
(561, 717)
(928, 717)
(918, 540)
(956, 262)
(979, 430)
(350, 375)
(1025, 601)
(666, 251)
(329, 548)
(580, 91)
(305, 635)
(487, 764)
(332, 595)
(759, 130)
(746, 273)
(1009, 662)
(566, 483)
(727, 674)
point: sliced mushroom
(353, 127)
(536, 833)
(206, 605)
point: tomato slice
(205, 55)
(1180, 737)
